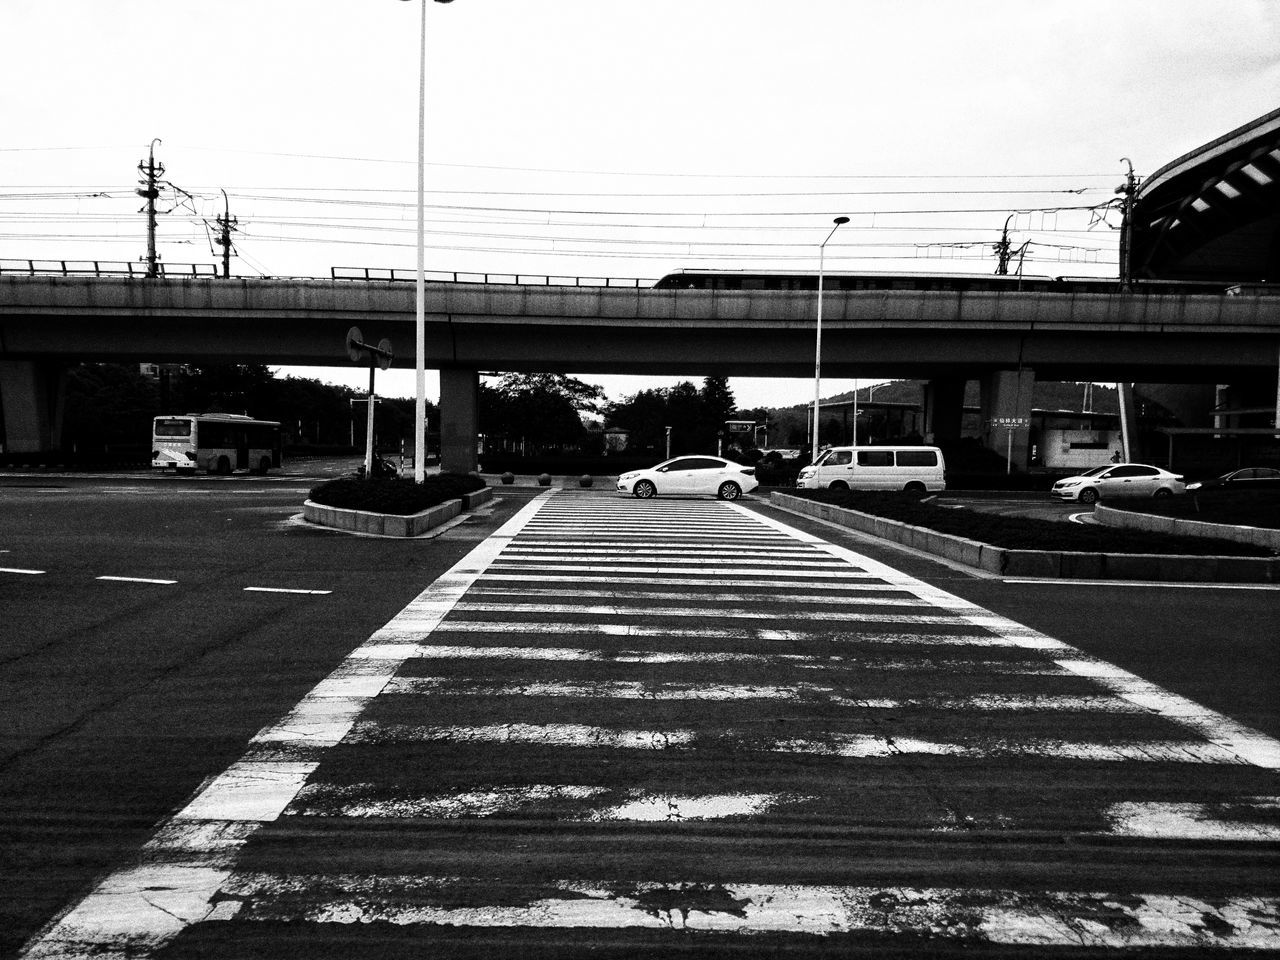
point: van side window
(917, 458)
(875, 458)
(840, 458)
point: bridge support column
(943, 410)
(459, 420)
(31, 393)
(1006, 414)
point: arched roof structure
(1214, 213)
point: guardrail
(104, 268)
(395, 275)
(109, 268)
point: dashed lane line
(137, 580)
(287, 590)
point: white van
(912, 469)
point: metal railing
(395, 275)
(104, 268)
(108, 268)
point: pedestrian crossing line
(659, 570)
(1038, 919)
(397, 653)
(781, 603)
(565, 628)
(1246, 820)
(713, 554)
(832, 586)
(702, 560)
(859, 746)
(568, 628)
(726, 613)
(712, 692)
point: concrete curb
(392, 525)
(1137, 520)
(1052, 564)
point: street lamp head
(840, 220)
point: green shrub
(1024, 533)
(399, 496)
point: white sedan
(691, 476)
(1119, 480)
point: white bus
(215, 442)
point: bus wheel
(263, 465)
(224, 466)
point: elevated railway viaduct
(1004, 339)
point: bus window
(173, 428)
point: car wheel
(1162, 493)
(729, 491)
(1089, 496)
(644, 490)
(839, 485)
(915, 488)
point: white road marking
(863, 746)
(716, 692)
(701, 613)
(355, 800)
(137, 580)
(33, 573)
(830, 570)
(286, 590)
(1250, 818)
(703, 581)
(1040, 919)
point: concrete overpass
(1003, 339)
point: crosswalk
(633, 722)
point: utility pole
(226, 226)
(1128, 191)
(1002, 249)
(150, 191)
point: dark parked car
(1247, 478)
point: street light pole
(817, 348)
(420, 284)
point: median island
(1022, 546)
(394, 507)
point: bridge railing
(108, 268)
(396, 275)
(104, 268)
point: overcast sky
(612, 137)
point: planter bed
(390, 524)
(1068, 564)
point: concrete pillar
(1129, 447)
(1006, 415)
(32, 393)
(943, 410)
(459, 420)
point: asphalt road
(618, 728)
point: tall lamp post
(420, 286)
(817, 349)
